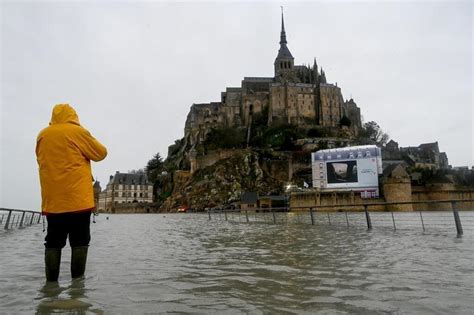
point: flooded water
(187, 264)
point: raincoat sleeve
(90, 147)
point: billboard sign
(351, 169)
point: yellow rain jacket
(64, 151)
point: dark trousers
(76, 225)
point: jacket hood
(64, 113)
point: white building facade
(125, 188)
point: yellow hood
(64, 113)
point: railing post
(367, 216)
(312, 216)
(1, 219)
(457, 220)
(422, 223)
(247, 215)
(22, 218)
(39, 219)
(274, 217)
(32, 217)
(8, 219)
(393, 219)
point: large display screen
(341, 172)
(351, 168)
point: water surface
(188, 264)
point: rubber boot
(52, 262)
(78, 261)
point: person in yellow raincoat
(64, 150)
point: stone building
(297, 94)
(426, 155)
(125, 188)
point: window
(146, 195)
(134, 195)
(141, 194)
(116, 194)
(123, 194)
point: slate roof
(284, 52)
(130, 179)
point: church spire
(282, 33)
(284, 61)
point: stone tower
(284, 62)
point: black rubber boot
(78, 261)
(52, 262)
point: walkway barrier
(11, 218)
(461, 220)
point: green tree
(371, 133)
(154, 167)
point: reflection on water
(54, 298)
(187, 264)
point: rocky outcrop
(223, 183)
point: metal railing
(10, 218)
(393, 219)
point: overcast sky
(133, 69)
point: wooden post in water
(209, 213)
(312, 216)
(8, 219)
(457, 220)
(393, 219)
(22, 218)
(329, 219)
(422, 223)
(347, 219)
(274, 217)
(247, 215)
(367, 216)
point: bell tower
(284, 61)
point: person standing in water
(64, 150)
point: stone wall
(442, 192)
(302, 201)
(135, 208)
(345, 199)
(331, 105)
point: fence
(10, 218)
(463, 220)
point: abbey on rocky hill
(297, 95)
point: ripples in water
(187, 264)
